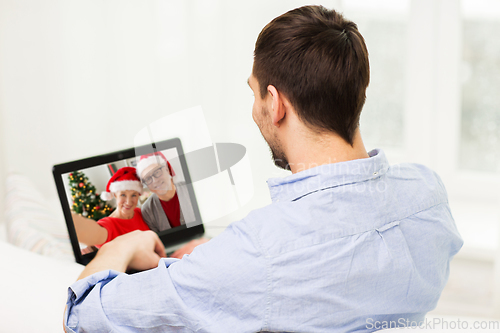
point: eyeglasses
(156, 174)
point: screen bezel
(170, 237)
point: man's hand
(189, 247)
(140, 250)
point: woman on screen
(126, 187)
(169, 206)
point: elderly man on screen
(169, 206)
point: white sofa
(34, 290)
(36, 259)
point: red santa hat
(153, 158)
(124, 179)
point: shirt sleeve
(222, 284)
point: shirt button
(375, 173)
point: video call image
(147, 192)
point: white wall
(80, 78)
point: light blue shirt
(341, 247)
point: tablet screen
(136, 189)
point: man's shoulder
(149, 202)
(417, 179)
(412, 169)
(148, 209)
(257, 217)
(255, 222)
(268, 226)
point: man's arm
(229, 273)
(140, 250)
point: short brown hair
(319, 61)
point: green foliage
(86, 201)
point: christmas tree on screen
(86, 201)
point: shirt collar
(324, 176)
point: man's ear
(278, 110)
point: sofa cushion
(32, 223)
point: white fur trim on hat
(125, 185)
(146, 162)
(106, 196)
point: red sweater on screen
(172, 210)
(117, 227)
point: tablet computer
(80, 183)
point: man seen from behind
(348, 239)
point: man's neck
(168, 195)
(308, 151)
